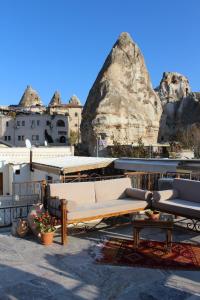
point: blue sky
(61, 44)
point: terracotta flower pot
(47, 238)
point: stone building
(73, 109)
(37, 122)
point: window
(9, 137)
(18, 123)
(48, 123)
(35, 137)
(49, 178)
(32, 123)
(60, 123)
(20, 137)
(17, 172)
(76, 114)
(76, 125)
(5, 138)
(23, 123)
(7, 123)
(38, 122)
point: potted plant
(46, 226)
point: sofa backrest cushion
(187, 189)
(82, 193)
(107, 190)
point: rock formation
(30, 98)
(56, 99)
(121, 105)
(74, 100)
(181, 109)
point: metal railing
(8, 214)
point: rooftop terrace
(30, 270)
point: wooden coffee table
(141, 221)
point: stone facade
(30, 119)
(35, 127)
(121, 105)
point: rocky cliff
(121, 105)
(180, 119)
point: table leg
(136, 237)
(169, 240)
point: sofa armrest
(138, 194)
(165, 195)
(55, 203)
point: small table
(141, 221)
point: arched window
(63, 139)
(60, 123)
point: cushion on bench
(102, 208)
(107, 190)
(165, 195)
(138, 194)
(187, 189)
(179, 207)
(82, 193)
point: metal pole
(97, 147)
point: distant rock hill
(180, 120)
(122, 105)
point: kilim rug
(150, 254)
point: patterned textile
(150, 254)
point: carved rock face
(121, 105)
(181, 109)
(30, 98)
(74, 100)
(173, 87)
(56, 99)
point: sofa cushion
(54, 204)
(179, 207)
(165, 195)
(138, 194)
(81, 192)
(111, 189)
(188, 189)
(102, 208)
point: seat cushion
(102, 208)
(82, 193)
(179, 207)
(107, 190)
(188, 189)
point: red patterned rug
(151, 254)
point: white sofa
(84, 201)
(182, 200)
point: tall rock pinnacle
(56, 99)
(30, 98)
(121, 105)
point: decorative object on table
(151, 254)
(46, 226)
(19, 228)
(152, 214)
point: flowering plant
(44, 222)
